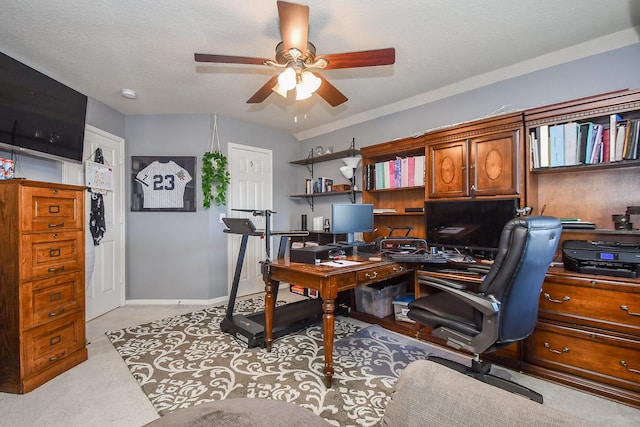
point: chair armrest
(486, 304)
(450, 283)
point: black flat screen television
(351, 218)
(39, 115)
(471, 226)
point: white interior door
(105, 272)
(251, 187)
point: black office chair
(504, 307)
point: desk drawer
(52, 342)
(597, 303)
(51, 209)
(48, 299)
(586, 353)
(377, 274)
(48, 254)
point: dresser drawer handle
(59, 356)
(53, 270)
(55, 313)
(548, 347)
(635, 371)
(398, 268)
(56, 225)
(371, 276)
(630, 313)
(557, 301)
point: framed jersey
(163, 183)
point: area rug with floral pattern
(187, 360)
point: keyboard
(418, 258)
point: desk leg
(269, 286)
(328, 324)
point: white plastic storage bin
(377, 299)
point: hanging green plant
(215, 173)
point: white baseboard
(213, 301)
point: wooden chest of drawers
(588, 334)
(42, 320)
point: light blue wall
(183, 255)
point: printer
(602, 258)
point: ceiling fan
(296, 56)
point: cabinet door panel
(51, 343)
(588, 354)
(51, 209)
(494, 166)
(49, 254)
(598, 303)
(448, 169)
(44, 300)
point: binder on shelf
(419, 171)
(621, 133)
(556, 145)
(584, 133)
(544, 146)
(570, 143)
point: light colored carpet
(102, 392)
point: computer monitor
(473, 226)
(350, 218)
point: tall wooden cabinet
(481, 158)
(42, 298)
(588, 333)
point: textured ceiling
(442, 47)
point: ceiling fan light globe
(302, 93)
(287, 79)
(310, 81)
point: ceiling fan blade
(228, 59)
(264, 91)
(365, 58)
(329, 93)
(294, 25)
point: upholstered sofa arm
(429, 394)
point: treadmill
(288, 318)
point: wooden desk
(328, 281)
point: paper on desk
(344, 263)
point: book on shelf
(543, 134)
(400, 172)
(534, 142)
(621, 132)
(556, 145)
(570, 143)
(595, 146)
(384, 210)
